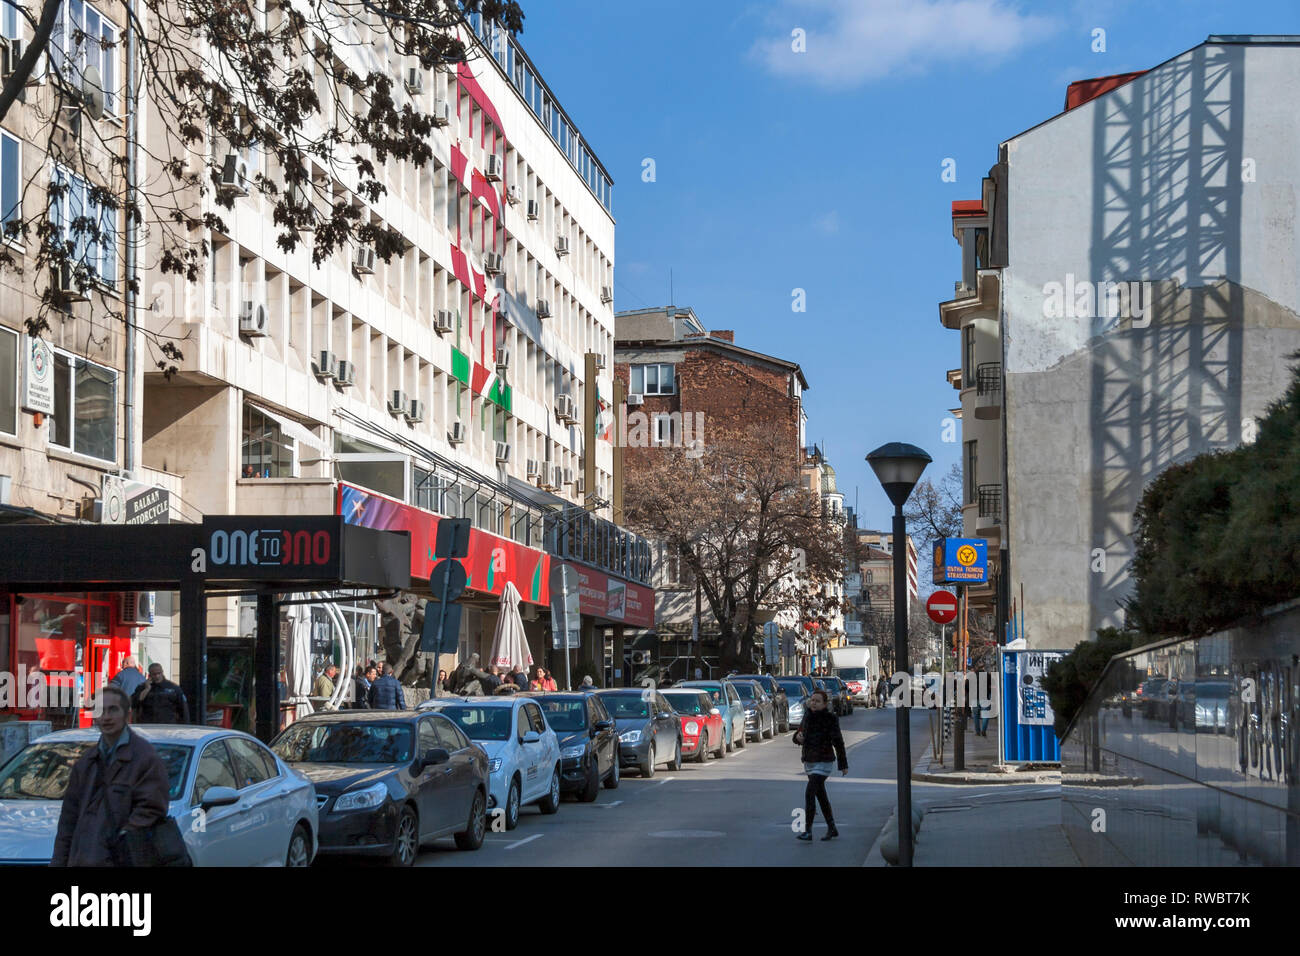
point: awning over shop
(296, 430)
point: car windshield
(565, 714)
(625, 706)
(687, 703)
(41, 771)
(307, 742)
(746, 690)
(482, 723)
(853, 673)
(792, 688)
(714, 691)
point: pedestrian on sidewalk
(159, 701)
(882, 690)
(130, 677)
(822, 753)
(386, 692)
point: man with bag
(117, 794)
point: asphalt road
(731, 812)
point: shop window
(85, 407)
(265, 452)
(8, 381)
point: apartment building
(684, 382)
(464, 379)
(1131, 287)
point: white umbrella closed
(298, 666)
(509, 644)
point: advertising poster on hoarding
(1034, 707)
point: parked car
(1210, 704)
(255, 810)
(1152, 695)
(797, 690)
(780, 699)
(649, 731)
(523, 752)
(588, 742)
(389, 782)
(727, 699)
(842, 694)
(702, 729)
(760, 720)
(836, 699)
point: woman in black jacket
(823, 751)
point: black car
(649, 730)
(780, 700)
(389, 782)
(760, 718)
(842, 694)
(588, 742)
(836, 697)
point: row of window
(85, 401)
(521, 74)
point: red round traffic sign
(942, 607)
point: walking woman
(823, 752)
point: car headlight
(751, 711)
(576, 751)
(630, 736)
(365, 799)
(494, 765)
(692, 728)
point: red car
(702, 732)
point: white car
(237, 803)
(523, 751)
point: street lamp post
(898, 466)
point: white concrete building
(1137, 277)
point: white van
(858, 667)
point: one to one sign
(38, 391)
(1034, 707)
(961, 561)
(942, 607)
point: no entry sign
(942, 607)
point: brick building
(683, 383)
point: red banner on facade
(611, 599)
(492, 561)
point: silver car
(237, 803)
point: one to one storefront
(69, 588)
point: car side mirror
(434, 757)
(531, 737)
(219, 797)
(715, 712)
(604, 725)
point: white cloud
(852, 42)
(829, 223)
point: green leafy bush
(1069, 680)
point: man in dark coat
(386, 693)
(159, 701)
(120, 784)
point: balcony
(988, 390)
(989, 524)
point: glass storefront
(1192, 751)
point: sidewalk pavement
(1008, 828)
(981, 762)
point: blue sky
(820, 170)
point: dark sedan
(588, 742)
(649, 730)
(388, 782)
(836, 698)
(760, 718)
(842, 694)
(780, 700)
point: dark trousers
(813, 794)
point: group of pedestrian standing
(153, 699)
(371, 691)
(470, 680)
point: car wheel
(676, 762)
(770, 732)
(407, 839)
(551, 802)
(702, 754)
(471, 838)
(299, 848)
(592, 790)
(512, 805)
(722, 750)
(611, 782)
(648, 768)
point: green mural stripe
(460, 366)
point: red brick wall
(730, 392)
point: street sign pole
(959, 731)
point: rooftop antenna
(671, 299)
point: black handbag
(158, 845)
